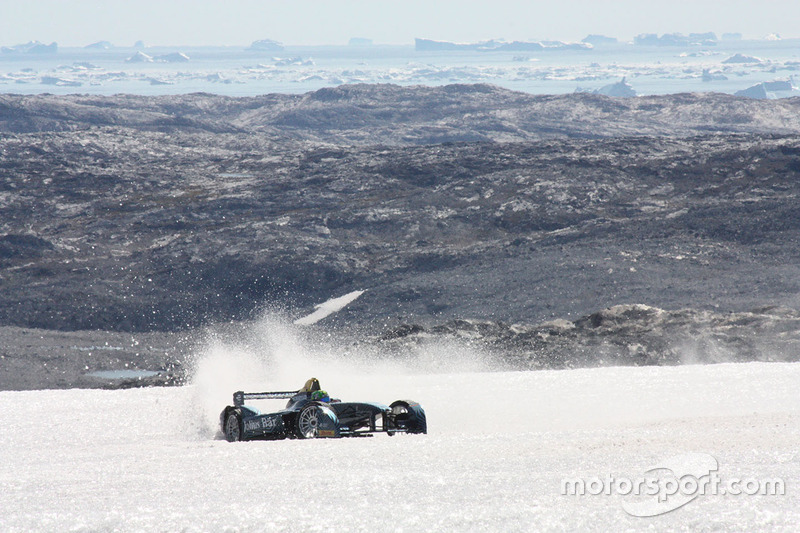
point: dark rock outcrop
(136, 214)
(621, 335)
(119, 229)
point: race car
(311, 413)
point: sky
(315, 22)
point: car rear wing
(239, 397)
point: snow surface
(499, 446)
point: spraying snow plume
(275, 353)
(328, 308)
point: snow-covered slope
(499, 447)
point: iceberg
(293, 61)
(561, 45)
(176, 57)
(756, 92)
(621, 89)
(32, 47)
(41, 48)
(599, 40)
(429, 45)
(139, 57)
(704, 38)
(157, 81)
(741, 58)
(497, 45)
(519, 46)
(713, 75)
(99, 45)
(768, 89)
(265, 45)
(778, 85)
(217, 77)
(675, 39)
(85, 65)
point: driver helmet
(320, 396)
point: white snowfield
(500, 447)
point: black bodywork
(304, 418)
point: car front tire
(307, 424)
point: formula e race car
(311, 413)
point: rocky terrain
(636, 335)
(451, 206)
(394, 115)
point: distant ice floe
(713, 75)
(218, 77)
(698, 53)
(293, 61)
(59, 82)
(158, 81)
(85, 65)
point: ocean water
(236, 71)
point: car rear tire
(233, 427)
